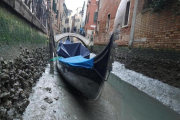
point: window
(108, 23)
(77, 20)
(98, 26)
(57, 12)
(67, 20)
(88, 18)
(95, 17)
(60, 16)
(54, 6)
(126, 17)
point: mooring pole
(51, 36)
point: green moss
(14, 30)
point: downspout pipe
(131, 39)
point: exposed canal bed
(163, 65)
(53, 98)
(168, 95)
(17, 77)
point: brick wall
(92, 7)
(125, 31)
(110, 7)
(157, 30)
(152, 30)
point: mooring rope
(56, 58)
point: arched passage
(84, 40)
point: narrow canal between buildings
(54, 99)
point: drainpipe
(131, 40)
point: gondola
(89, 81)
(89, 75)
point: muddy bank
(163, 65)
(17, 77)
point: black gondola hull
(87, 81)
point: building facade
(78, 21)
(83, 13)
(141, 27)
(69, 21)
(105, 21)
(90, 23)
(57, 9)
(64, 16)
(38, 8)
(157, 30)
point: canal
(54, 99)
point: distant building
(73, 23)
(57, 9)
(64, 16)
(69, 21)
(83, 12)
(105, 20)
(78, 19)
(91, 15)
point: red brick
(162, 28)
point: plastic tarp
(73, 49)
(78, 61)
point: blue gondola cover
(68, 42)
(78, 61)
(73, 49)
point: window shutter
(54, 6)
(127, 14)
(57, 13)
(95, 17)
(106, 26)
(88, 18)
(85, 20)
